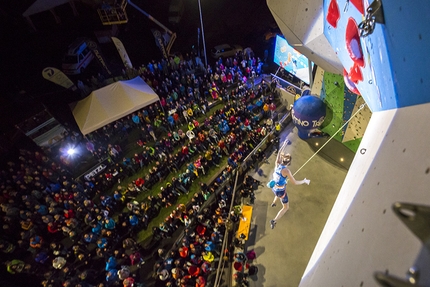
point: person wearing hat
(280, 176)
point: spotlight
(341, 159)
(71, 151)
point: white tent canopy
(112, 102)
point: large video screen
(291, 60)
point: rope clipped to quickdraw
(359, 109)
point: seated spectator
(53, 200)
(15, 266)
(200, 281)
(111, 263)
(112, 277)
(36, 242)
(90, 237)
(124, 272)
(102, 243)
(182, 135)
(190, 135)
(109, 224)
(198, 165)
(107, 202)
(177, 184)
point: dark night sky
(25, 52)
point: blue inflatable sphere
(308, 113)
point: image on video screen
(291, 60)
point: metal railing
(239, 171)
(236, 172)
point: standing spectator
(185, 114)
(151, 131)
(136, 120)
(128, 165)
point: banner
(97, 53)
(56, 76)
(159, 40)
(122, 52)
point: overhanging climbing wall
(343, 104)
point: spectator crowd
(63, 231)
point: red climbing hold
(333, 13)
(353, 44)
(359, 5)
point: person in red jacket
(67, 195)
(185, 151)
(69, 213)
(221, 145)
(232, 120)
(200, 281)
(195, 123)
(139, 182)
(53, 227)
(177, 119)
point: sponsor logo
(305, 123)
(160, 42)
(95, 172)
(93, 46)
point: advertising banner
(122, 52)
(97, 53)
(159, 40)
(56, 76)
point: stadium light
(71, 151)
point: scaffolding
(113, 14)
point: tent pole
(57, 19)
(72, 4)
(31, 23)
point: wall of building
(362, 234)
(301, 23)
(392, 164)
(342, 105)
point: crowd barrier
(240, 172)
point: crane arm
(150, 17)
